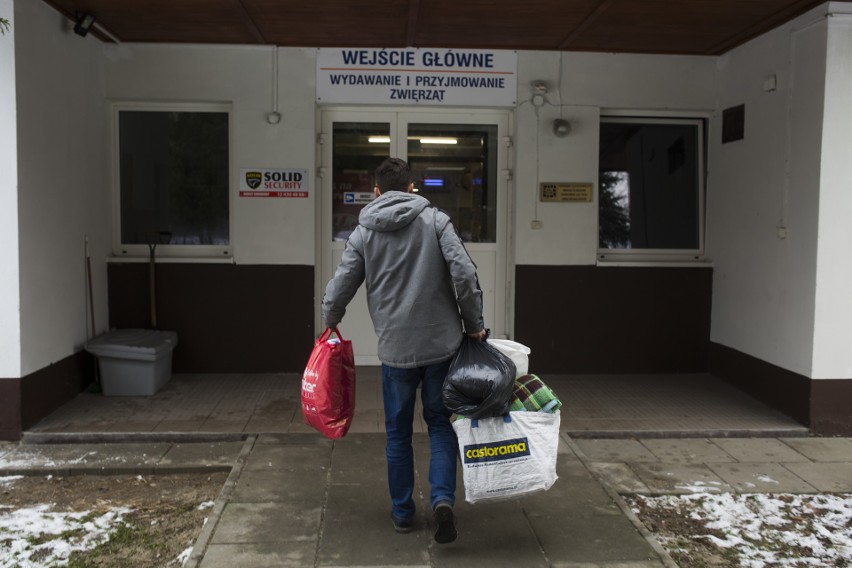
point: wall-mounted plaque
(565, 192)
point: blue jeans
(399, 388)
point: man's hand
(478, 335)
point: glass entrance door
(455, 159)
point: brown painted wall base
(229, 318)
(10, 409)
(24, 402)
(824, 405)
(586, 319)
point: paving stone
(491, 535)
(687, 450)
(260, 555)
(825, 476)
(207, 454)
(603, 450)
(268, 457)
(667, 478)
(755, 450)
(641, 564)
(761, 478)
(283, 439)
(294, 520)
(357, 530)
(620, 477)
(271, 486)
(823, 449)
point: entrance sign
(406, 76)
(260, 182)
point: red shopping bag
(328, 386)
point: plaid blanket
(530, 393)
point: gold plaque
(565, 192)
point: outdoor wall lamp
(561, 128)
(85, 21)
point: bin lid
(133, 341)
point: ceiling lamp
(85, 21)
(439, 141)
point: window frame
(663, 256)
(186, 252)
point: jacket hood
(392, 211)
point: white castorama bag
(507, 457)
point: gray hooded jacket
(421, 283)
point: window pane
(357, 150)
(649, 186)
(454, 166)
(174, 177)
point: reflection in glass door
(454, 167)
(454, 160)
(357, 150)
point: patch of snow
(763, 529)
(206, 505)
(183, 556)
(10, 479)
(48, 536)
(766, 479)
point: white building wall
(764, 286)
(580, 85)
(832, 357)
(765, 282)
(10, 331)
(265, 230)
(62, 189)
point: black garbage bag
(480, 381)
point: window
(651, 189)
(173, 177)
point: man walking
(422, 290)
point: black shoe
(401, 526)
(445, 525)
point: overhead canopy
(689, 27)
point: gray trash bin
(133, 362)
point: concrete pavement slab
(825, 476)
(357, 530)
(280, 458)
(687, 450)
(280, 521)
(577, 520)
(645, 564)
(597, 531)
(213, 455)
(761, 478)
(271, 486)
(361, 459)
(305, 439)
(823, 449)
(668, 478)
(367, 421)
(491, 535)
(759, 450)
(620, 477)
(617, 450)
(260, 555)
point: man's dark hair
(393, 175)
